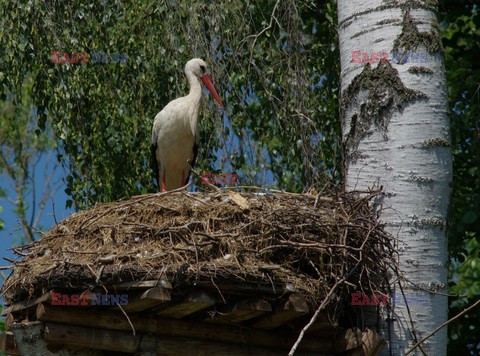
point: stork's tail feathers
(192, 162)
(154, 164)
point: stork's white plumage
(175, 130)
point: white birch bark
(396, 134)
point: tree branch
(326, 300)
(442, 326)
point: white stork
(175, 130)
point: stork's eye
(202, 68)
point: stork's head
(199, 68)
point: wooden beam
(115, 320)
(91, 338)
(249, 288)
(120, 341)
(323, 326)
(27, 304)
(243, 288)
(193, 303)
(8, 344)
(83, 302)
(89, 300)
(293, 308)
(163, 283)
(8, 321)
(372, 343)
(360, 343)
(245, 310)
(173, 346)
(349, 340)
(148, 299)
(7, 340)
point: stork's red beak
(208, 83)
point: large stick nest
(308, 242)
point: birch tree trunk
(396, 135)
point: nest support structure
(261, 261)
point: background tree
(396, 136)
(277, 65)
(23, 148)
(25, 151)
(461, 38)
(270, 60)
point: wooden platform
(161, 320)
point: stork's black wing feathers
(192, 163)
(154, 163)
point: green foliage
(461, 40)
(468, 271)
(21, 147)
(275, 63)
(264, 66)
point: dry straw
(213, 239)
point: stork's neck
(195, 93)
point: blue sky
(12, 234)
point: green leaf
(470, 217)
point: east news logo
(89, 299)
(394, 299)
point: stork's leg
(182, 183)
(164, 185)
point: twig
(442, 326)
(314, 317)
(134, 200)
(19, 253)
(218, 290)
(326, 300)
(48, 269)
(99, 274)
(22, 247)
(319, 245)
(53, 210)
(90, 268)
(81, 252)
(431, 291)
(271, 190)
(272, 17)
(210, 185)
(414, 331)
(128, 319)
(47, 190)
(197, 199)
